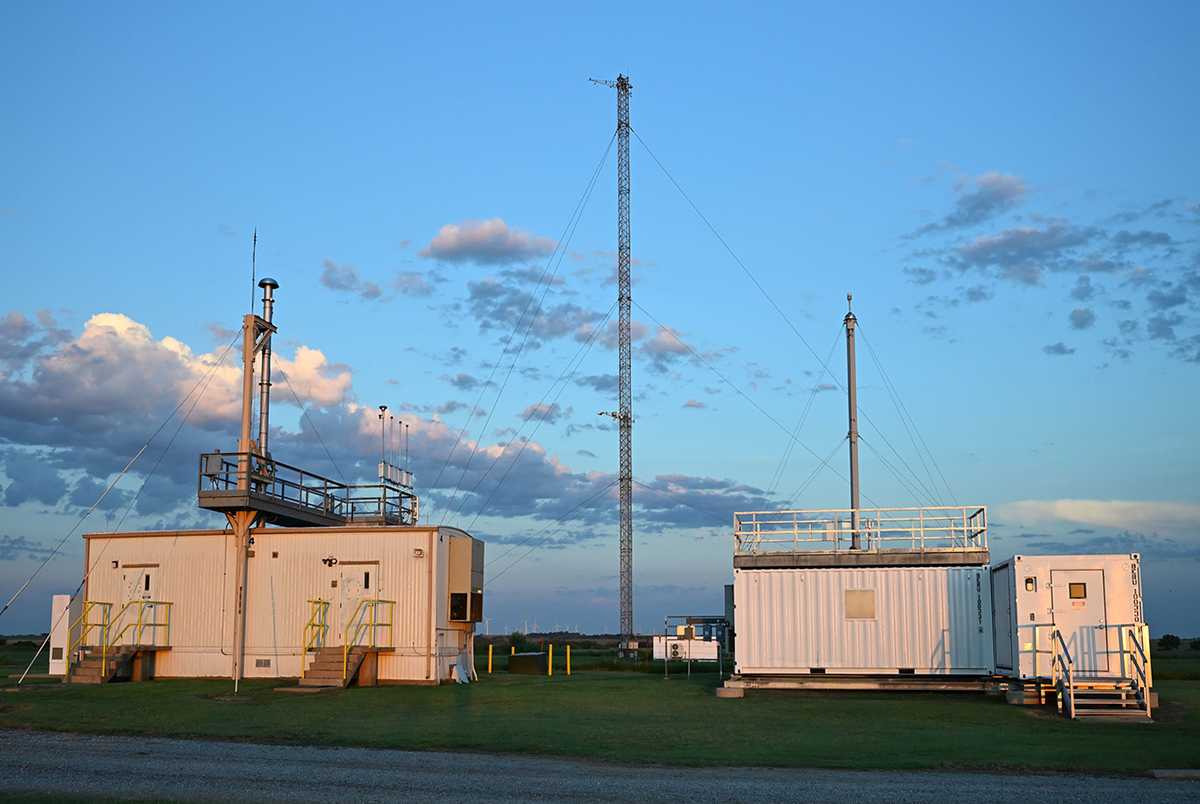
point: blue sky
(1009, 193)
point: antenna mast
(852, 386)
(624, 416)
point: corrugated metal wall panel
(927, 619)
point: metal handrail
(364, 625)
(139, 625)
(83, 622)
(1066, 665)
(1141, 669)
(268, 478)
(941, 528)
(315, 630)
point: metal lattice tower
(624, 415)
(626, 407)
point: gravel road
(199, 770)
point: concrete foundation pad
(730, 692)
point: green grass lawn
(634, 718)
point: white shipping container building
(306, 588)
(912, 598)
(921, 620)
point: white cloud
(1143, 517)
(486, 242)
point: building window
(1078, 591)
(860, 604)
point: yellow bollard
(513, 651)
(550, 661)
(489, 659)
(568, 660)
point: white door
(125, 628)
(359, 582)
(1077, 599)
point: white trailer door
(359, 582)
(1077, 598)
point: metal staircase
(1092, 696)
(95, 667)
(333, 667)
(1108, 697)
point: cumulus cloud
(1167, 297)
(411, 283)
(921, 276)
(1145, 238)
(984, 197)
(664, 349)
(14, 547)
(1022, 254)
(489, 242)
(496, 305)
(1084, 290)
(1082, 318)
(695, 404)
(602, 383)
(979, 200)
(345, 279)
(543, 412)
(610, 336)
(1059, 348)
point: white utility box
(64, 613)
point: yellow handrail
(85, 625)
(364, 625)
(139, 625)
(315, 630)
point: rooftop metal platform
(290, 497)
(888, 537)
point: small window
(860, 604)
(1031, 584)
(147, 582)
(366, 580)
(1078, 591)
(56, 654)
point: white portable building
(414, 593)
(879, 620)
(907, 594)
(1093, 601)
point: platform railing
(364, 623)
(949, 528)
(271, 480)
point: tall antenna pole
(625, 415)
(852, 385)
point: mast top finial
(849, 297)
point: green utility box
(529, 664)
